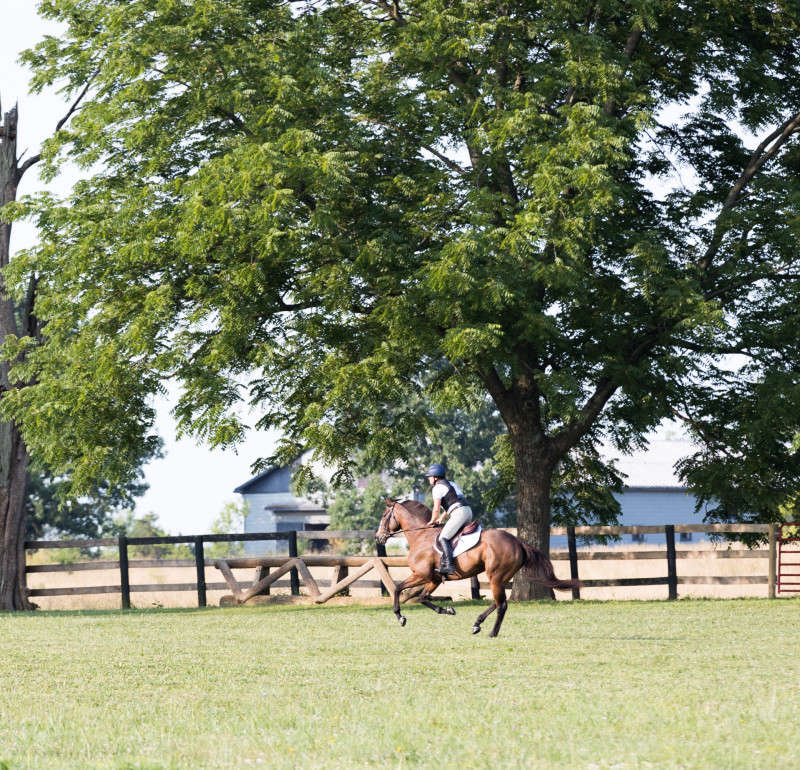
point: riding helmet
(437, 469)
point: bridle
(400, 531)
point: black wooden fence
(200, 562)
(573, 554)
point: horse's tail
(539, 569)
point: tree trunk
(13, 477)
(13, 453)
(534, 465)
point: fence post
(672, 568)
(294, 579)
(261, 573)
(124, 577)
(475, 587)
(200, 564)
(573, 560)
(381, 551)
(772, 558)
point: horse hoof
(402, 620)
(449, 611)
(476, 629)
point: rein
(411, 529)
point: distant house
(273, 508)
(653, 493)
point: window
(317, 544)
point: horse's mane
(416, 508)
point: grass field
(695, 684)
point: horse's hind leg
(485, 614)
(499, 594)
(427, 591)
(498, 587)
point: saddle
(467, 529)
(467, 537)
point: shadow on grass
(465, 604)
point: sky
(192, 483)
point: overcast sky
(191, 484)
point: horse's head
(389, 522)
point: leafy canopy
(304, 207)
(51, 509)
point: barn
(272, 507)
(653, 495)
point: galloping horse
(498, 553)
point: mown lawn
(706, 684)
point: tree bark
(13, 478)
(534, 466)
(13, 453)
(536, 457)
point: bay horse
(498, 553)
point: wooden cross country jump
(364, 564)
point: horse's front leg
(412, 580)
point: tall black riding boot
(446, 567)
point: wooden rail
(342, 578)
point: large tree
(16, 319)
(13, 453)
(33, 498)
(584, 207)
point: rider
(448, 500)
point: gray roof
(653, 467)
(252, 482)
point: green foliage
(748, 465)
(358, 508)
(52, 509)
(230, 520)
(336, 211)
(130, 525)
(67, 555)
(583, 490)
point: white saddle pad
(465, 542)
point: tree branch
(631, 44)
(393, 11)
(497, 390)
(762, 154)
(73, 108)
(572, 432)
(452, 165)
(235, 119)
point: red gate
(789, 558)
